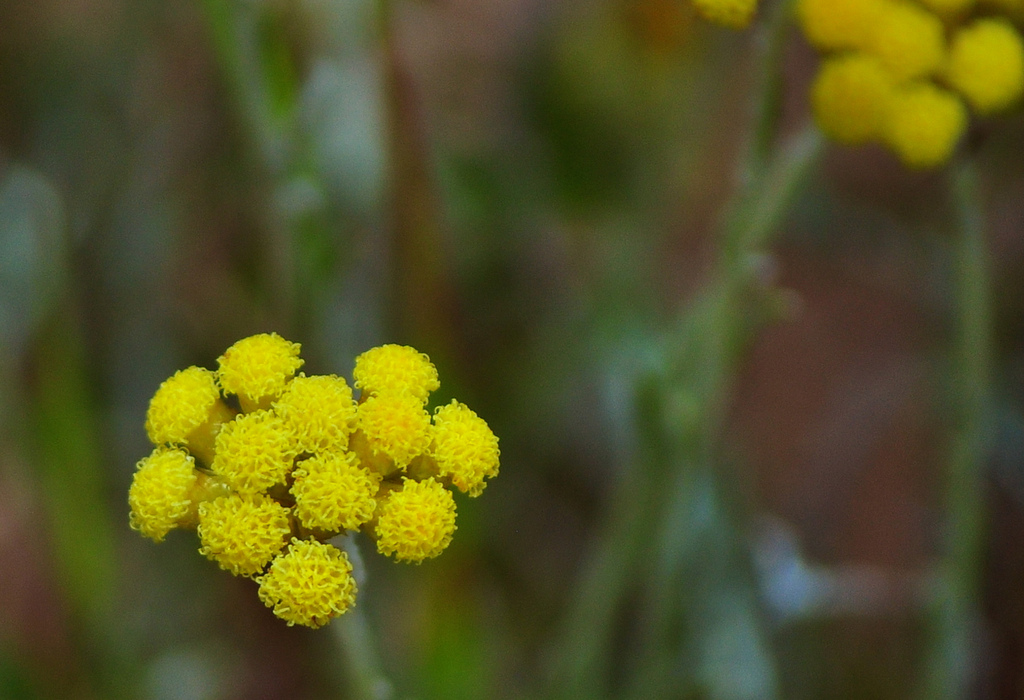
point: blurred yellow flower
(730, 13)
(924, 124)
(838, 24)
(986, 64)
(850, 98)
(908, 40)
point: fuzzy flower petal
(159, 494)
(395, 369)
(257, 368)
(181, 404)
(254, 452)
(332, 492)
(416, 522)
(242, 532)
(309, 585)
(464, 447)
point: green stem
(949, 665)
(768, 185)
(235, 34)
(364, 672)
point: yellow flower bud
(850, 98)
(986, 64)
(309, 585)
(319, 410)
(416, 522)
(924, 124)
(243, 532)
(908, 39)
(838, 24)
(395, 425)
(395, 369)
(464, 447)
(187, 410)
(254, 452)
(257, 369)
(332, 492)
(159, 496)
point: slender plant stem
(950, 664)
(235, 37)
(364, 671)
(709, 332)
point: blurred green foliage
(676, 319)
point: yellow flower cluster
(267, 465)
(735, 14)
(898, 72)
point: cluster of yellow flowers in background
(898, 72)
(731, 13)
(267, 465)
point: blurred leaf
(68, 456)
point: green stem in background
(70, 463)
(253, 74)
(421, 291)
(697, 549)
(264, 84)
(671, 409)
(951, 658)
(364, 671)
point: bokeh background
(530, 192)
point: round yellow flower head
(838, 24)
(850, 98)
(309, 585)
(254, 452)
(395, 425)
(242, 532)
(319, 410)
(986, 64)
(159, 494)
(464, 447)
(908, 39)
(332, 492)
(416, 522)
(924, 124)
(181, 404)
(395, 369)
(257, 368)
(730, 13)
